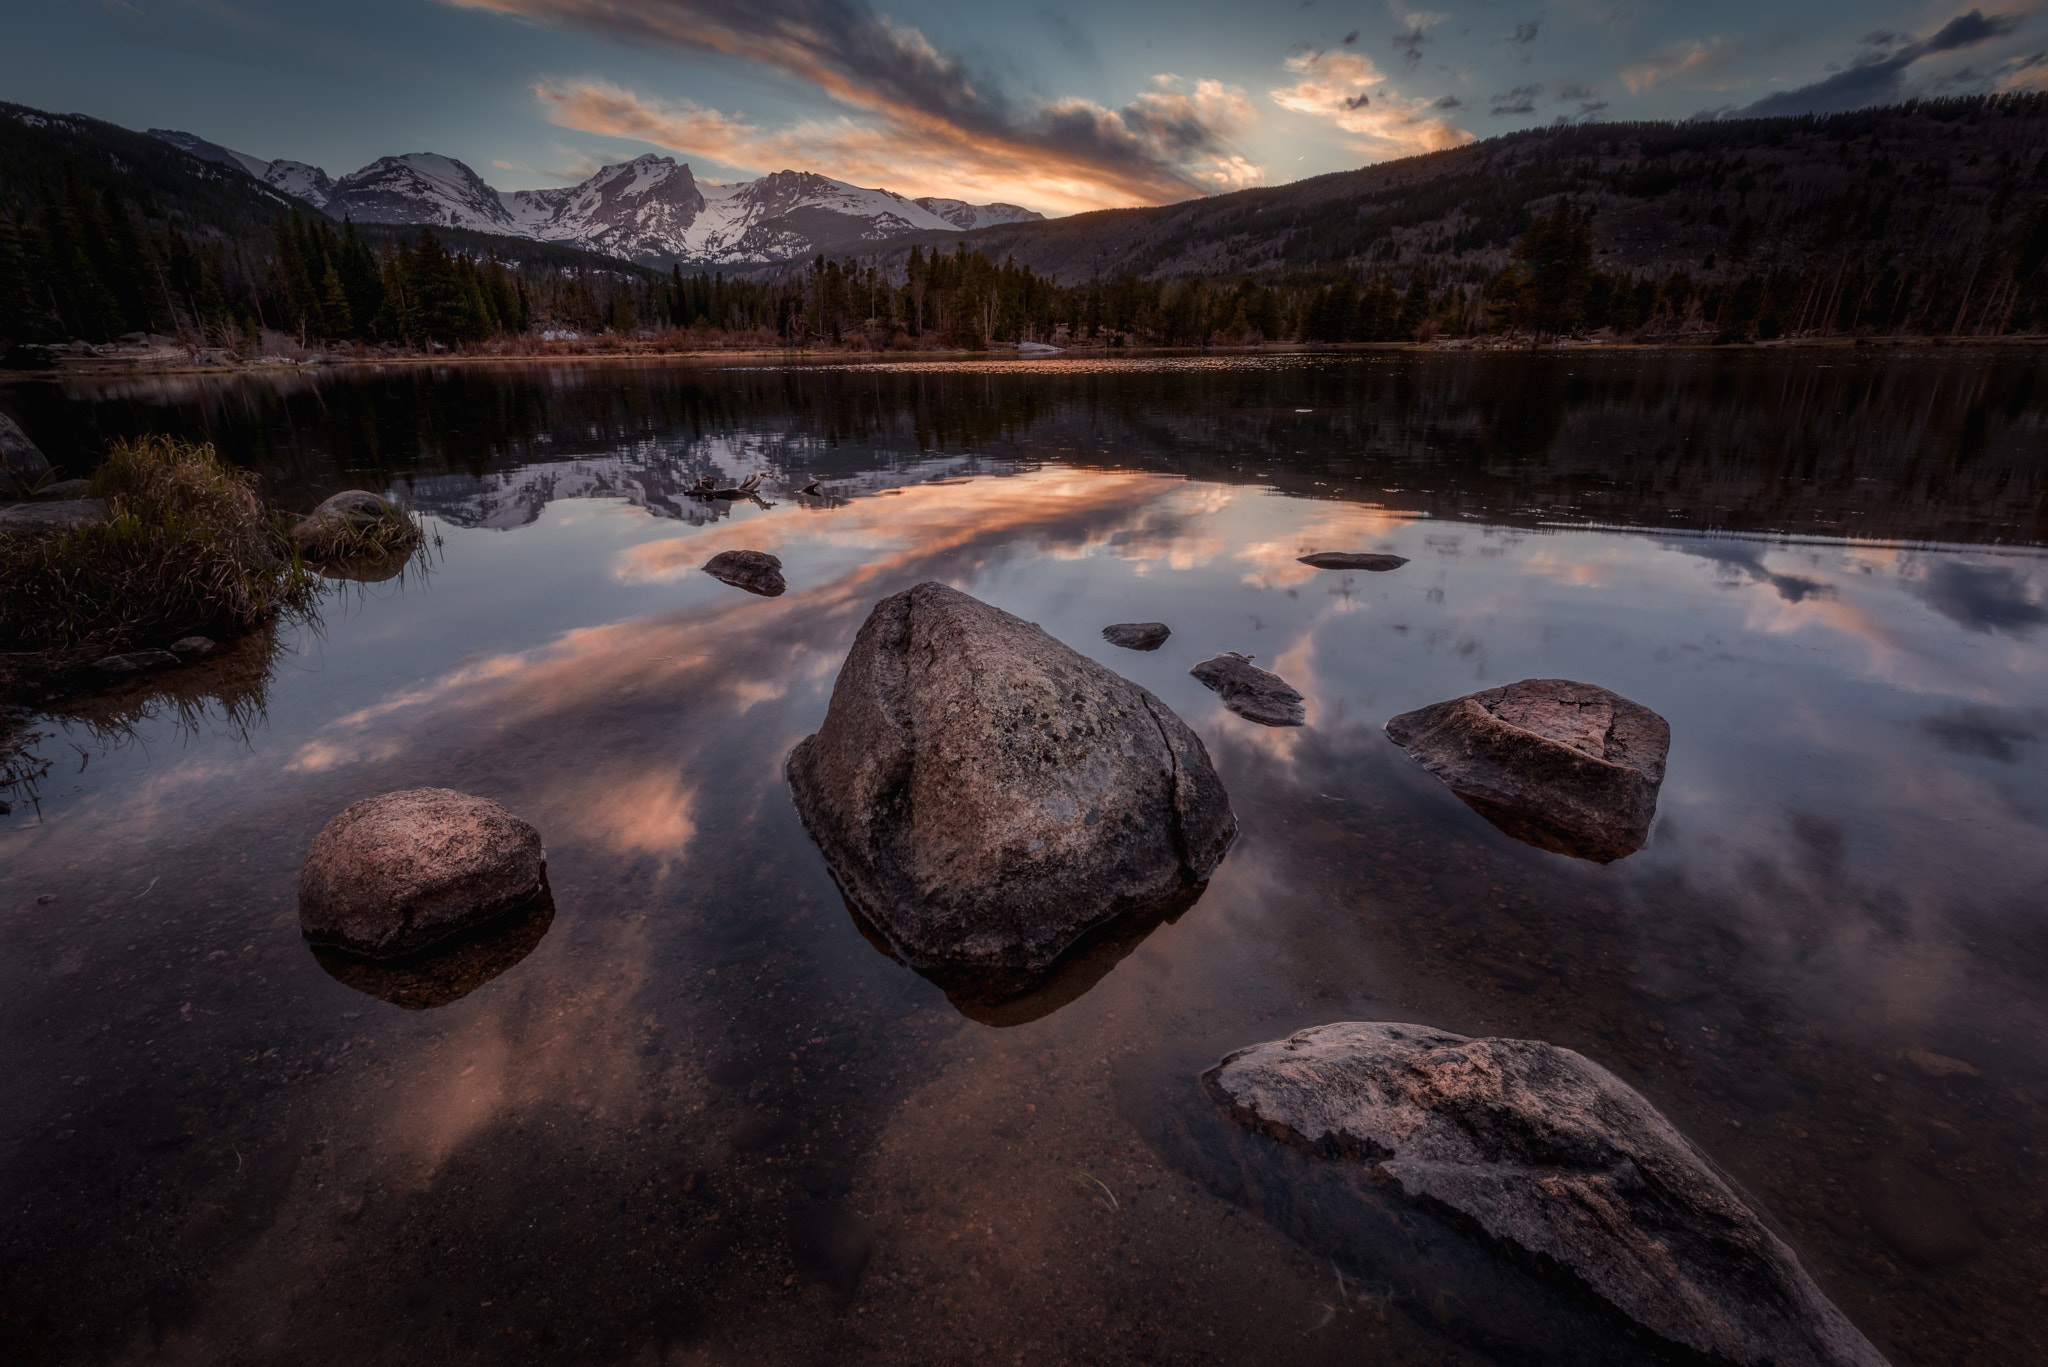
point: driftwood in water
(745, 489)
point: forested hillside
(1929, 217)
(1925, 219)
(104, 232)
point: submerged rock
(192, 647)
(135, 661)
(1926, 1221)
(21, 463)
(754, 571)
(1251, 692)
(990, 799)
(1567, 767)
(393, 874)
(1549, 1160)
(40, 517)
(341, 526)
(1354, 560)
(1137, 635)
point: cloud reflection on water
(1822, 846)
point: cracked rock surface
(1540, 1154)
(1568, 767)
(989, 798)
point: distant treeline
(1925, 219)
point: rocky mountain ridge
(651, 209)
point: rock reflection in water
(367, 569)
(442, 975)
(1002, 1001)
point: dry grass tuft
(188, 548)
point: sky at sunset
(1058, 106)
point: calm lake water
(697, 1117)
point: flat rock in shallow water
(754, 571)
(393, 874)
(989, 798)
(135, 661)
(40, 517)
(1137, 635)
(1567, 767)
(1251, 692)
(192, 647)
(1551, 1160)
(1354, 560)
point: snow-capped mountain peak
(295, 178)
(649, 209)
(958, 213)
(421, 187)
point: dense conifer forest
(1924, 219)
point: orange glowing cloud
(924, 121)
(1345, 87)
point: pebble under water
(686, 1112)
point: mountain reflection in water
(703, 1119)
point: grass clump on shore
(187, 547)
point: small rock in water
(1137, 635)
(135, 661)
(394, 874)
(1923, 1219)
(46, 899)
(990, 798)
(754, 571)
(1354, 560)
(191, 647)
(36, 517)
(331, 528)
(1251, 692)
(1938, 1065)
(1550, 1160)
(831, 1245)
(1567, 767)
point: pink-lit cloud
(922, 119)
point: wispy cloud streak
(915, 105)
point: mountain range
(651, 210)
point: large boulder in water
(989, 798)
(1568, 767)
(1554, 1163)
(392, 875)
